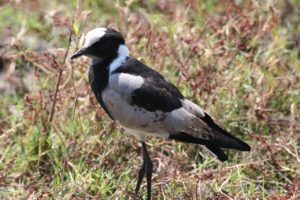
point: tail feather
(218, 138)
(224, 139)
(214, 145)
(201, 129)
(221, 155)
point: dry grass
(239, 61)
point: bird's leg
(148, 168)
(140, 177)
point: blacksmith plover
(144, 103)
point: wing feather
(156, 93)
(186, 121)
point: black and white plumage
(144, 103)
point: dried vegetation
(239, 60)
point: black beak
(79, 53)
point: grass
(239, 61)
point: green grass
(240, 62)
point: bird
(145, 103)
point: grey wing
(202, 129)
(143, 104)
(139, 104)
(132, 100)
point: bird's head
(101, 43)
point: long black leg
(148, 168)
(140, 178)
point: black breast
(98, 77)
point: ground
(238, 60)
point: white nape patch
(94, 36)
(192, 108)
(117, 62)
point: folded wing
(156, 94)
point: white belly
(132, 117)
